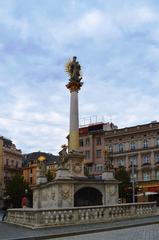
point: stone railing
(78, 215)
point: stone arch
(88, 196)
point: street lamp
(133, 182)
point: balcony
(156, 165)
(12, 168)
(146, 166)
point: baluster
(57, 218)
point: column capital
(74, 86)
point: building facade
(30, 166)
(136, 148)
(92, 145)
(10, 163)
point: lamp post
(133, 182)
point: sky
(117, 45)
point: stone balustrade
(78, 215)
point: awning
(150, 193)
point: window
(16, 164)
(157, 142)
(98, 153)
(98, 168)
(30, 170)
(133, 160)
(89, 169)
(87, 154)
(110, 148)
(132, 146)
(98, 141)
(31, 180)
(146, 176)
(81, 142)
(157, 175)
(145, 143)
(121, 162)
(87, 141)
(120, 147)
(145, 159)
(157, 157)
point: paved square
(150, 232)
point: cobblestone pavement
(150, 232)
(9, 231)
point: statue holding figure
(41, 165)
(107, 161)
(63, 156)
(73, 68)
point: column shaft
(74, 122)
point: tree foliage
(49, 176)
(124, 177)
(16, 189)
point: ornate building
(30, 165)
(133, 147)
(10, 163)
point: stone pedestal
(62, 173)
(108, 175)
(76, 164)
(41, 178)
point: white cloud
(118, 50)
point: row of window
(98, 154)
(120, 146)
(14, 163)
(133, 160)
(86, 142)
(146, 176)
(98, 168)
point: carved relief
(113, 190)
(77, 168)
(53, 195)
(65, 192)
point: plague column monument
(73, 198)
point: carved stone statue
(41, 165)
(63, 157)
(107, 161)
(74, 70)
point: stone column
(74, 87)
(74, 122)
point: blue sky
(117, 44)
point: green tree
(49, 176)
(16, 188)
(124, 177)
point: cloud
(117, 45)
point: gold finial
(41, 158)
